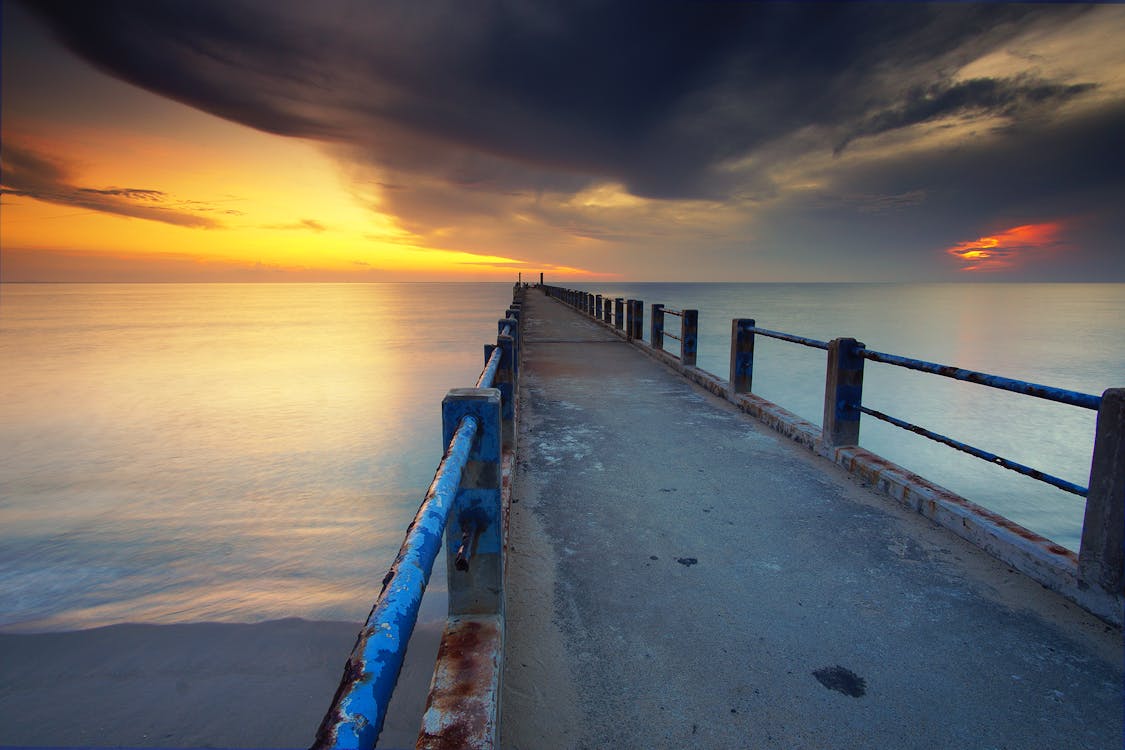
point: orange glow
(85, 203)
(1008, 248)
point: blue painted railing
(477, 425)
(1101, 549)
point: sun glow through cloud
(1008, 248)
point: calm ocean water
(183, 453)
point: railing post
(506, 382)
(741, 354)
(1103, 530)
(843, 392)
(597, 306)
(473, 532)
(630, 311)
(513, 325)
(638, 326)
(607, 310)
(619, 313)
(590, 304)
(689, 336)
(656, 330)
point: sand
(192, 685)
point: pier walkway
(681, 576)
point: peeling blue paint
(360, 706)
(1061, 395)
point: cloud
(1006, 248)
(309, 225)
(530, 96)
(28, 174)
(737, 120)
(1014, 98)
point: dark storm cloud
(525, 96)
(1018, 97)
(29, 174)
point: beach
(192, 685)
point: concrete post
(590, 305)
(843, 392)
(1103, 530)
(506, 382)
(656, 330)
(607, 310)
(630, 312)
(619, 313)
(474, 528)
(597, 306)
(741, 354)
(638, 331)
(689, 336)
(540, 279)
(513, 326)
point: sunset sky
(357, 141)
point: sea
(177, 453)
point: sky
(355, 141)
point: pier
(642, 554)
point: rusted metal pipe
(992, 458)
(802, 340)
(1061, 395)
(356, 716)
(491, 365)
(469, 537)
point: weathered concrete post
(506, 382)
(475, 565)
(619, 313)
(598, 306)
(741, 354)
(1100, 559)
(630, 312)
(590, 305)
(689, 336)
(638, 330)
(843, 392)
(656, 329)
(513, 326)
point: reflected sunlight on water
(175, 453)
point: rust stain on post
(462, 711)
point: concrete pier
(681, 576)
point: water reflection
(220, 452)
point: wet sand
(193, 685)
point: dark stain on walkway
(842, 681)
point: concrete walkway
(682, 577)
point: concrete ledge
(1044, 561)
(463, 710)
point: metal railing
(1101, 548)
(463, 504)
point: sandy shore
(195, 685)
